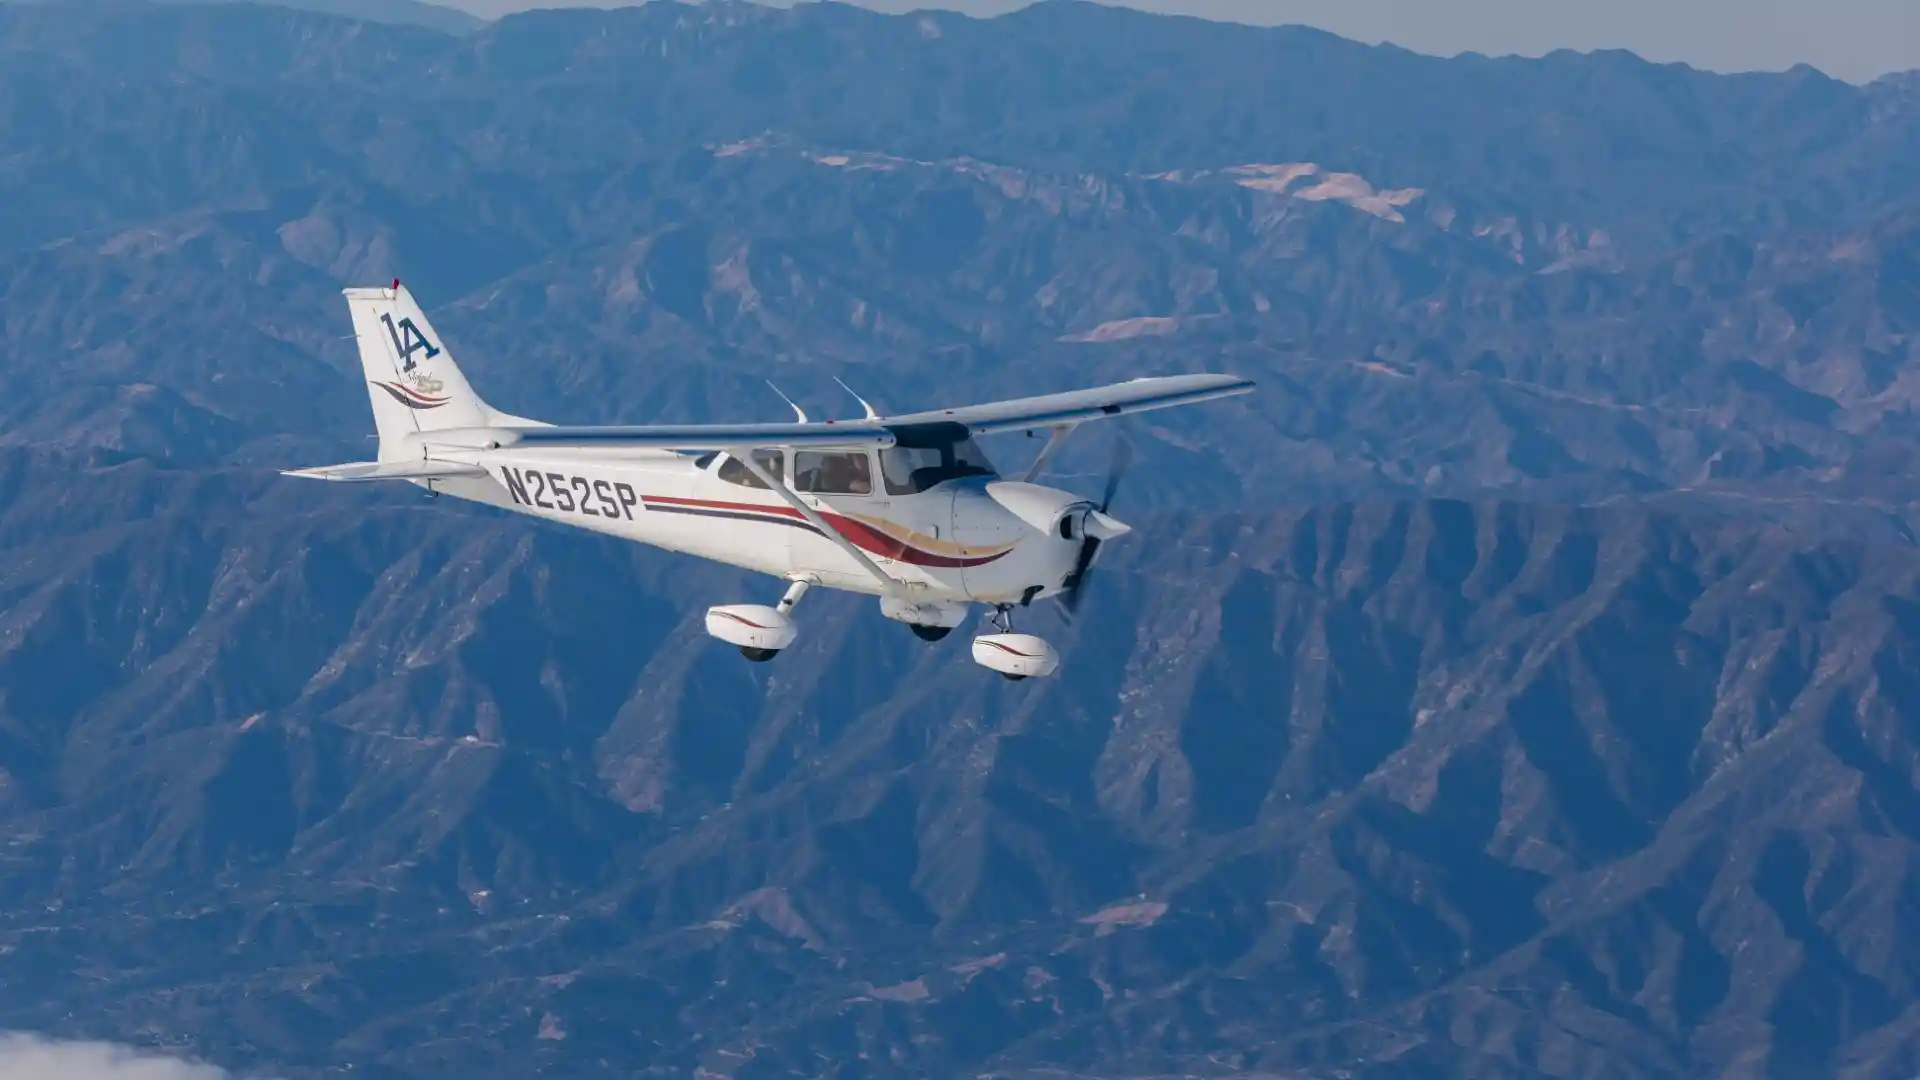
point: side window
(898, 464)
(733, 471)
(832, 473)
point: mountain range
(444, 18)
(1522, 683)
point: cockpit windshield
(915, 464)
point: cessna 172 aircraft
(905, 508)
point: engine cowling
(1040, 507)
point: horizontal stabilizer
(364, 471)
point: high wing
(1047, 410)
(848, 434)
(1077, 406)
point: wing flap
(367, 471)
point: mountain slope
(607, 240)
(1488, 790)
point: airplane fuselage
(905, 507)
(953, 543)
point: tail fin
(411, 377)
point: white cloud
(30, 1057)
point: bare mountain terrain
(1523, 683)
(1455, 789)
(1694, 281)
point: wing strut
(892, 586)
(1060, 433)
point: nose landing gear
(1014, 656)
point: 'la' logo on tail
(407, 340)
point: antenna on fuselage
(797, 410)
(871, 415)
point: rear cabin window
(735, 471)
(827, 473)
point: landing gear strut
(1002, 618)
(795, 590)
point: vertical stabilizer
(411, 377)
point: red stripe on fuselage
(862, 536)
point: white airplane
(905, 508)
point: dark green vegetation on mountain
(1524, 683)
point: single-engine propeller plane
(905, 508)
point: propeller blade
(1070, 598)
(1099, 525)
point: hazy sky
(1849, 39)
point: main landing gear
(761, 632)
